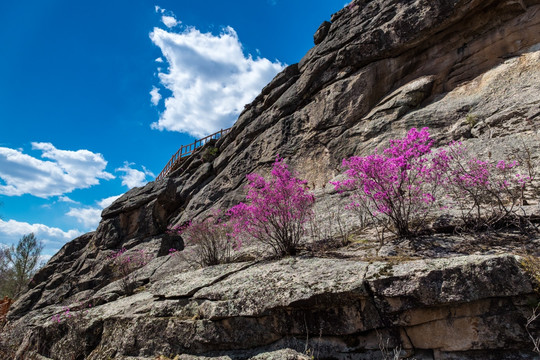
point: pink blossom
(277, 209)
(399, 182)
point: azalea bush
(395, 189)
(210, 238)
(125, 263)
(398, 184)
(485, 192)
(276, 211)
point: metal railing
(186, 150)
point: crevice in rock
(404, 329)
(373, 297)
(191, 293)
(160, 266)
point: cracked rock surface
(336, 306)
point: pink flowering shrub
(125, 263)
(404, 181)
(276, 211)
(211, 243)
(398, 184)
(485, 192)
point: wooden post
(187, 150)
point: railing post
(188, 150)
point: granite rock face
(329, 308)
(468, 70)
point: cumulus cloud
(133, 177)
(155, 95)
(159, 60)
(63, 172)
(209, 77)
(14, 230)
(169, 21)
(90, 216)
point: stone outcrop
(330, 308)
(468, 70)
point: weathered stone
(321, 32)
(186, 284)
(339, 305)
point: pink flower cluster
(211, 237)
(179, 229)
(398, 183)
(484, 191)
(276, 211)
(403, 181)
(397, 187)
(57, 318)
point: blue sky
(95, 96)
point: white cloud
(43, 259)
(210, 79)
(155, 95)
(90, 216)
(169, 21)
(14, 230)
(67, 200)
(159, 60)
(67, 171)
(108, 201)
(133, 177)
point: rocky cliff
(468, 70)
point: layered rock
(331, 308)
(469, 70)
